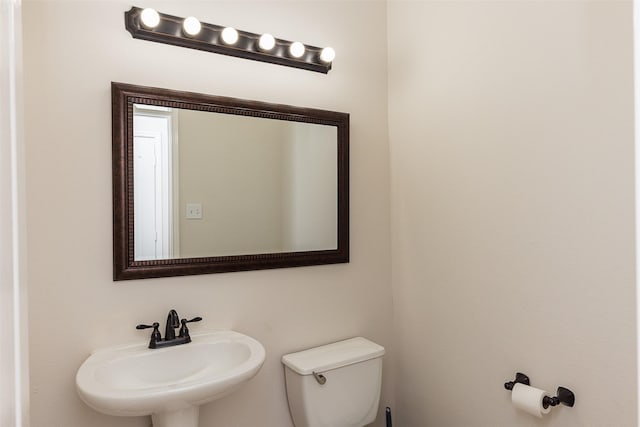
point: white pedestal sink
(168, 383)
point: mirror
(206, 184)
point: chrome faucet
(170, 339)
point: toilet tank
(348, 398)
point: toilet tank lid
(332, 356)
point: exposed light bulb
(266, 42)
(191, 26)
(296, 49)
(149, 17)
(230, 35)
(327, 55)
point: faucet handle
(155, 325)
(184, 331)
(155, 335)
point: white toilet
(335, 385)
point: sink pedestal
(181, 418)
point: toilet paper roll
(529, 399)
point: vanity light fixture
(266, 42)
(230, 35)
(148, 24)
(296, 49)
(327, 55)
(191, 26)
(150, 18)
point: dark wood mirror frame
(123, 96)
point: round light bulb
(191, 26)
(327, 54)
(266, 42)
(229, 35)
(150, 18)
(296, 49)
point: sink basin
(168, 383)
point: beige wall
(311, 199)
(232, 166)
(511, 138)
(264, 185)
(73, 50)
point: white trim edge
(14, 396)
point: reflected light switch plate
(194, 211)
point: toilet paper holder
(520, 378)
(564, 395)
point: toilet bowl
(334, 385)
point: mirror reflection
(210, 184)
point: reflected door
(152, 195)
